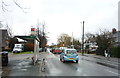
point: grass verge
(28, 52)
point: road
(20, 65)
(54, 67)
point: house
(116, 37)
(4, 37)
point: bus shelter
(36, 45)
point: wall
(0, 40)
(119, 20)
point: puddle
(27, 66)
(24, 69)
(23, 63)
(17, 67)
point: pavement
(22, 65)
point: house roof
(28, 38)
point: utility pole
(83, 40)
(43, 37)
(72, 41)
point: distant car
(40, 49)
(69, 55)
(57, 51)
(62, 48)
(18, 48)
(51, 50)
(92, 51)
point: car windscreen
(18, 47)
(57, 49)
(71, 51)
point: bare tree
(16, 2)
(41, 33)
(90, 37)
(1, 25)
(9, 29)
(4, 5)
(104, 41)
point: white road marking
(112, 72)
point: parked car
(57, 50)
(69, 55)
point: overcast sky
(61, 16)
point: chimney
(114, 30)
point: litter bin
(4, 58)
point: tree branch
(16, 3)
(3, 6)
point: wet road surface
(54, 67)
(20, 65)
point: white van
(18, 48)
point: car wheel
(76, 61)
(63, 60)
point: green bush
(100, 51)
(115, 52)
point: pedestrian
(106, 54)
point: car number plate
(68, 54)
(71, 58)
